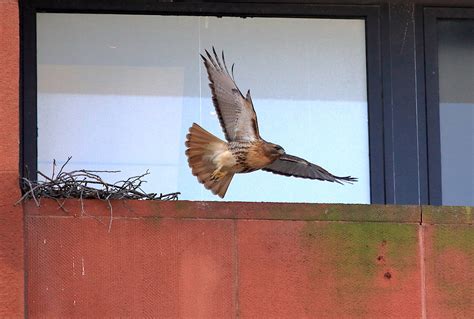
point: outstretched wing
(290, 165)
(236, 113)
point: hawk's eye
(279, 149)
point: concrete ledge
(463, 215)
(227, 210)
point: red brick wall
(11, 217)
(253, 260)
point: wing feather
(236, 112)
(290, 165)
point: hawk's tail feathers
(202, 147)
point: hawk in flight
(214, 162)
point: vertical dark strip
(421, 105)
(387, 105)
(432, 108)
(28, 92)
(375, 111)
(402, 103)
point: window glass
(456, 87)
(119, 92)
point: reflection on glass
(456, 87)
(121, 91)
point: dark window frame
(369, 13)
(431, 73)
(404, 142)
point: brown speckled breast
(250, 156)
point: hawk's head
(278, 149)
(274, 151)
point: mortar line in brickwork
(225, 219)
(421, 241)
(235, 263)
(421, 214)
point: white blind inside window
(119, 92)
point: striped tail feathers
(202, 148)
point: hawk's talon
(217, 174)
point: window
(120, 91)
(450, 71)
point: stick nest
(87, 184)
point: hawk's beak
(281, 151)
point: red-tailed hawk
(214, 162)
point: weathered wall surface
(449, 257)
(11, 217)
(225, 260)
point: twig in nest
(111, 215)
(87, 184)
